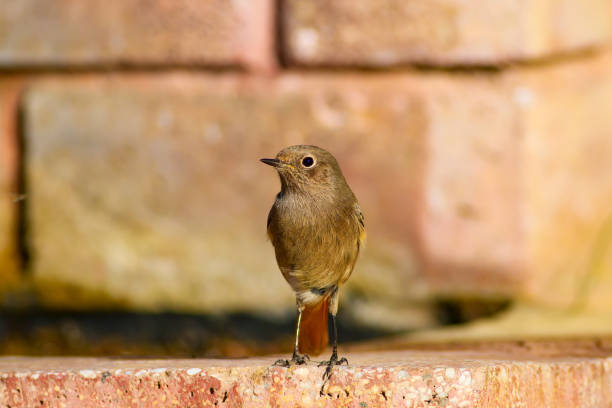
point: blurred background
(476, 135)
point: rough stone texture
(9, 91)
(391, 32)
(156, 177)
(480, 377)
(136, 32)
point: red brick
(160, 183)
(480, 377)
(469, 229)
(518, 186)
(567, 183)
(137, 32)
(446, 32)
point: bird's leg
(297, 358)
(334, 356)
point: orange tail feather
(313, 337)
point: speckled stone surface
(503, 377)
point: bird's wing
(268, 223)
(361, 225)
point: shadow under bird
(317, 230)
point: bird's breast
(314, 244)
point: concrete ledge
(507, 376)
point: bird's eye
(307, 161)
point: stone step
(551, 374)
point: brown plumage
(317, 230)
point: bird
(317, 229)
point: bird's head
(305, 168)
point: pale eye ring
(308, 161)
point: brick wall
(477, 138)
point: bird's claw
(299, 359)
(282, 363)
(296, 359)
(333, 361)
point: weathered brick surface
(136, 32)
(468, 224)
(158, 181)
(390, 32)
(528, 190)
(567, 183)
(160, 184)
(478, 377)
(9, 91)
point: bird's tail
(313, 338)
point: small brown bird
(317, 230)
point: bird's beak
(272, 162)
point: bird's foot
(333, 361)
(296, 359)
